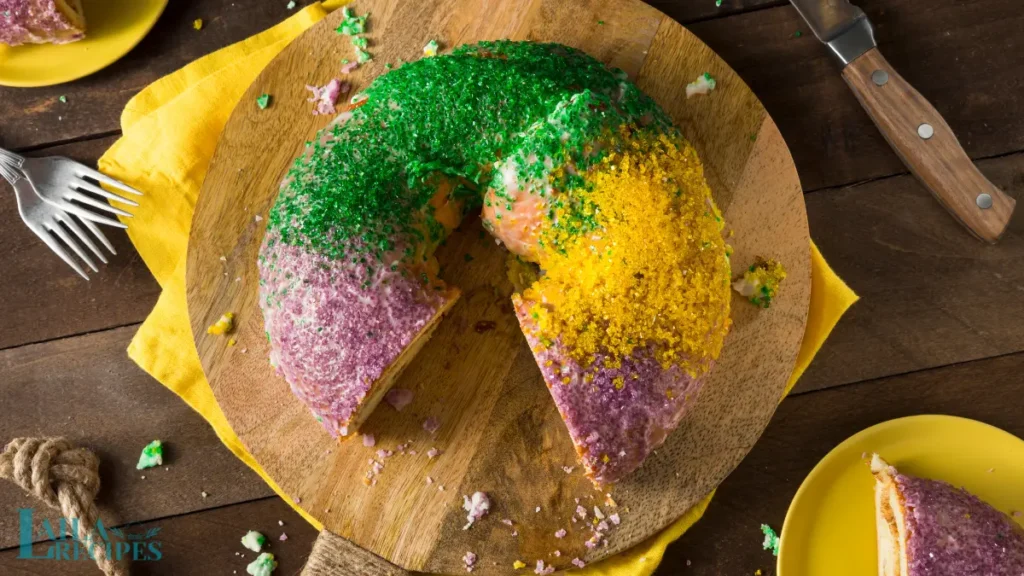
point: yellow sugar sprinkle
(518, 564)
(670, 394)
(605, 458)
(619, 382)
(653, 273)
(198, 24)
(566, 380)
(232, 342)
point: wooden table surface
(939, 329)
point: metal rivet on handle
(984, 201)
(880, 77)
(925, 131)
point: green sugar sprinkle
(152, 455)
(797, 34)
(771, 539)
(600, 22)
(367, 191)
(362, 56)
(263, 100)
(718, 3)
(63, 99)
(291, 5)
(359, 42)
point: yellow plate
(830, 525)
(113, 27)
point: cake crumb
(263, 565)
(431, 424)
(477, 506)
(771, 539)
(399, 398)
(223, 325)
(760, 282)
(469, 560)
(152, 455)
(253, 540)
(704, 84)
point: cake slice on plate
(930, 528)
(41, 21)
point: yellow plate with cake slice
(830, 525)
(112, 29)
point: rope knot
(46, 466)
(65, 478)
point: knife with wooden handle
(910, 124)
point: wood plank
(42, 298)
(94, 103)
(688, 11)
(931, 294)
(33, 117)
(726, 541)
(87, 390)
(805, 428)
(961, 56)
(199, 543)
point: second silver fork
(48, 223)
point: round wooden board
(500, 431)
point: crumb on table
(152, 455)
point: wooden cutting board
(500, 432)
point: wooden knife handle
(333, 555)
(927, 145)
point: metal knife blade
(840, 25)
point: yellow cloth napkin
(170, 131)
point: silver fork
(45, 221)
(62, 183)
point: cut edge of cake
(890, 520)
(387, 379)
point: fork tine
(88, 187)
(60, 232)
(82, 236)
(59, 251)
(96, 232)
(78, 196)
(84, 215)
(101, 177)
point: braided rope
(66, 479)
